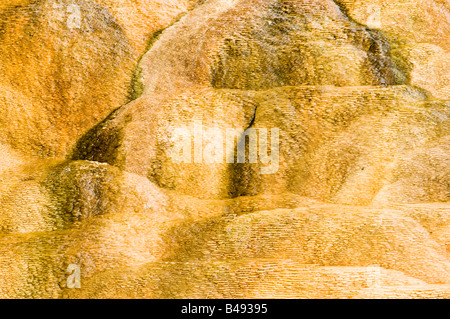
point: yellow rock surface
(73, 62)
(421, 30)
(358, 206)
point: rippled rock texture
(352, 197)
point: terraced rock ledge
(359, 206)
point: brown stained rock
(333, 141)
(145, 134)
(358, 207)
(67, 64)
(264, 44)
(142, 18)
(420, 32)
(72, 75)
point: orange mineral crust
(224, 149)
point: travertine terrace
(90, 91)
